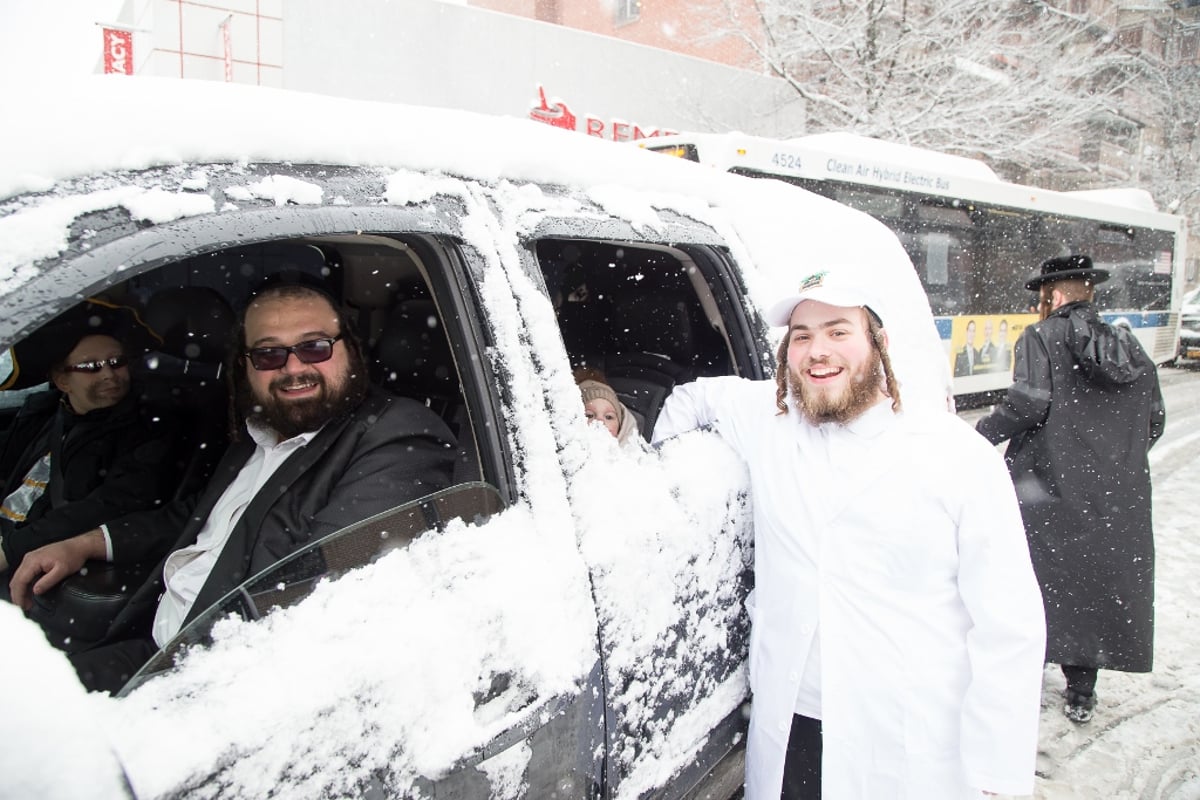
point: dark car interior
(645, 317)
(191, 306)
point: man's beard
(860, 393)
(290, 418)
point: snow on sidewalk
(1144, 741)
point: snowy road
(1144, 742)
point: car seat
(412, 358)
(185, 373)
(651, 349)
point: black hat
(48, 346)
(1066, 268)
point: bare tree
(1018, 83)
(1171, 156)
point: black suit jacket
(112, 461)
(389, 451)
(964, 365)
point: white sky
(54, 38)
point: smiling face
(88, 391)
(297, 397)
(833, 369)
(601, 411)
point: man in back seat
(317, 448)
(85, 451)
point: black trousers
(107, 668)
(802, 765)
(1080, 680)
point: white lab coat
(897, 541)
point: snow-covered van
(567, 619)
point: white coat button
(793, 676)
(806, 629)
(783, 726)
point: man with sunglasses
(315, 449)
(85, 451)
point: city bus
(975, 239)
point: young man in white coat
(897, 631)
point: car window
(292, 579)
(14, 398)
(645, 317)
(395, 272)
(386, 285)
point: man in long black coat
(317, 449)
(1082, 413)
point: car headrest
(652, 324)
(412, 355)
(195, 322)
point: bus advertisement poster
(983, 343)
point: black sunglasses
(314, 351)
(92, 367)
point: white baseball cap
(842, 285)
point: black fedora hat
(42, 350)
(1066, 268)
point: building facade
(498, 61)
(629, 69)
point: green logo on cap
(813, 281)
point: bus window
(937, 259)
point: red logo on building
(118, 52)
(559, 115)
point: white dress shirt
(187, 569)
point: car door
(669, 556)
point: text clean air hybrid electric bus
(974, 239)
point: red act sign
(118, 52)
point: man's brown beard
(862, 393)
(292, 418)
